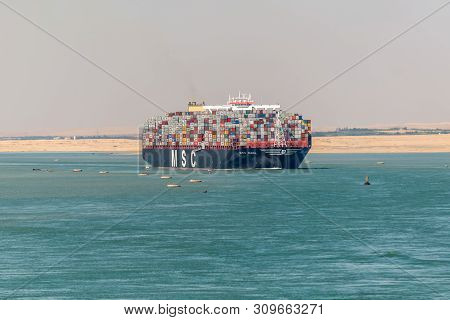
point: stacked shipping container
(227, 129)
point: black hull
(244, 158)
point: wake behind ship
(238, 135)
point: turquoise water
(297, 234)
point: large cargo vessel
(237, 135)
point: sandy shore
(363, 144)
(81, 145)
(382, 144)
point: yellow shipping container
(195, 108)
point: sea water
(316, 233)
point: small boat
(77, 170)
(36, 169)
(147, 167)
(195, 181)
(366, 181)
(173, 186)
(103, 172)
(166, 177)
(380, 162)
(143, 174)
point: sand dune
(362, 144)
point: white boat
(77, 170)
(142, 174)
(195, 181)
(103, 172)
(380, 162)
(173, 186)
(166, 177)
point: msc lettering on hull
(184, 159)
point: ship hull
(243, 158)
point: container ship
(237, 135)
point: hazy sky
(174, 51)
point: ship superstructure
(243, 102)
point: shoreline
(436, 143)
